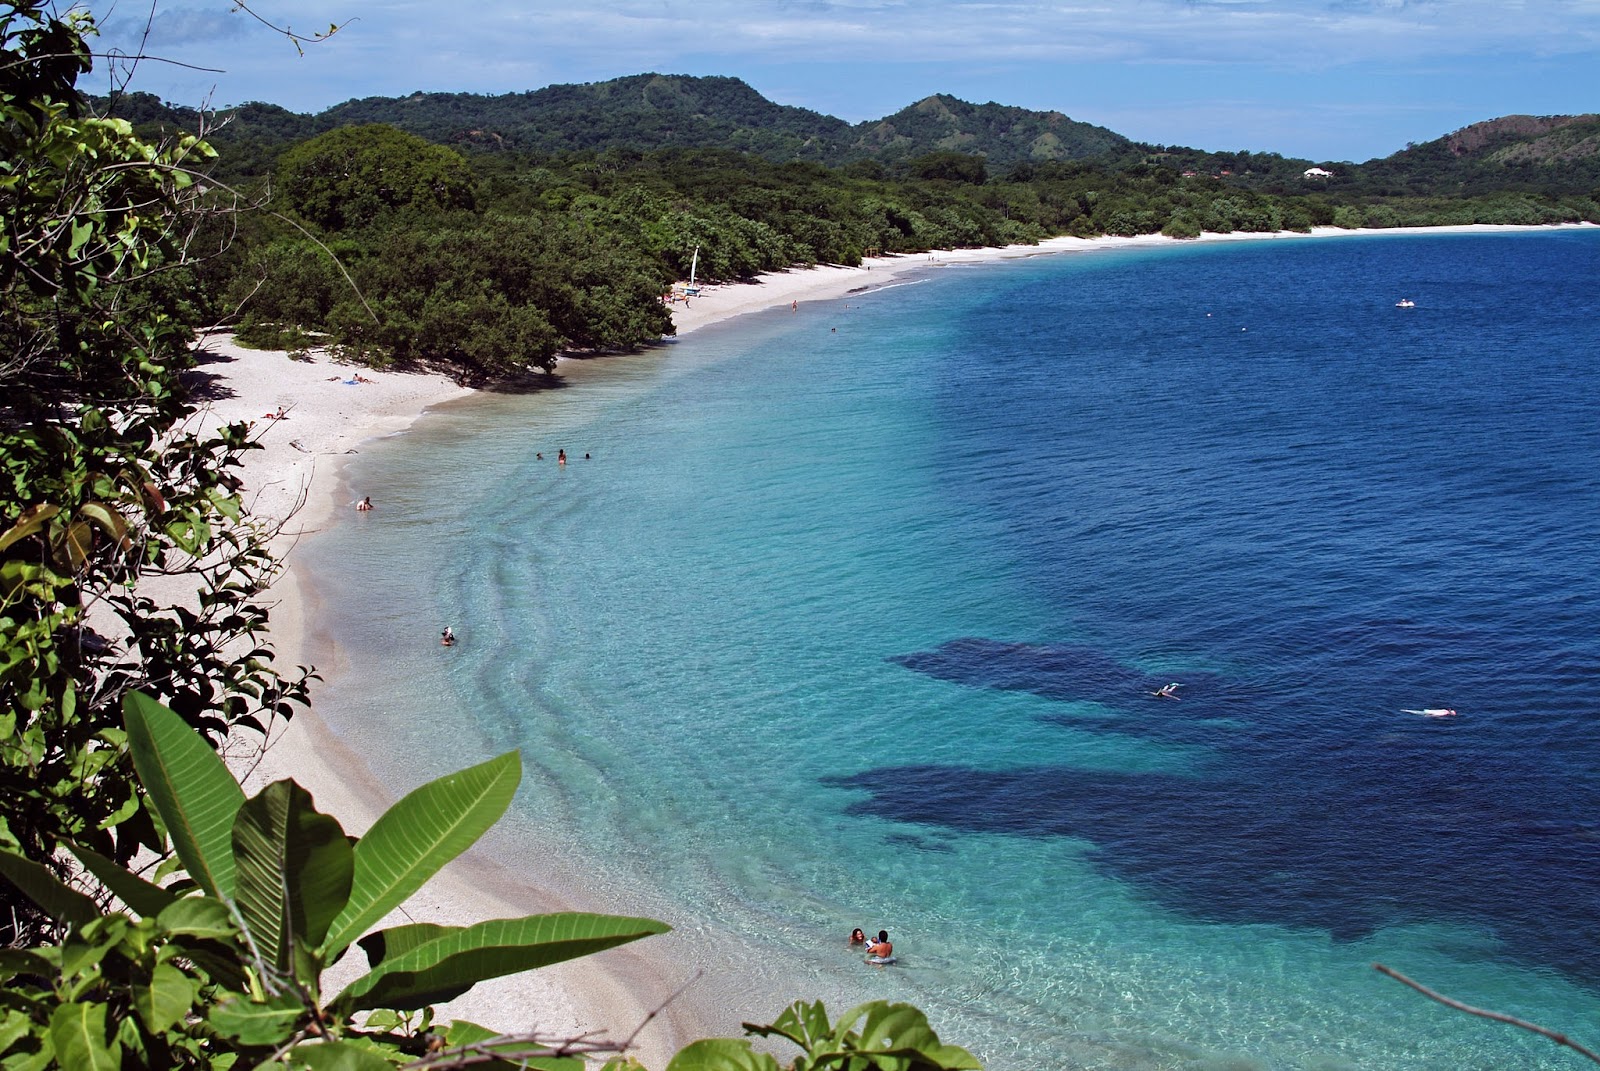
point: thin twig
(627, 1042)
(1484, 1013)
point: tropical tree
(225, 968)
(352, 175)
(108, 482)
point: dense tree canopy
(351, 176)
(106, 484)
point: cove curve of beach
(311, 414)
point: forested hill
(1555, 155)
(644, 111)
(1001, 134)
(654, 111)
(1516, 152)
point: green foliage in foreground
(877, 1036)
(105, 483)
(225, 969)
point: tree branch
(1484, 1013)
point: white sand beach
(328, 414)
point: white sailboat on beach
(694, 264)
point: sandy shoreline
(296, 479)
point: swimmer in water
(1167, 691)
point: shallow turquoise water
(852, 615)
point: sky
(1326, 80)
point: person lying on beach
(857, 937)
(281, 414)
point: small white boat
(1405, 303)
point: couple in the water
(879, 951)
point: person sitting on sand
(364, 505)
(857, 936)
(880, 949)
(447, 637)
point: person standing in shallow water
(880, 949)
(561, 457)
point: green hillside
(1004, 135)
(653, 111)
(1557, 156)
(1516, 152)
(645, 111)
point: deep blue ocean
(852, 616)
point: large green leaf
(293, 869)
(270, 1022)
(167, 998)
(198, 916)
(337, 1056)
(15, 961)
(55, 898)
(192, 790)
(398, 940)
(141, 896)
(459, 959)
(421, 833)
(721, 1054)
(81, 1040)
(899, 1037)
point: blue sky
(1322, 79)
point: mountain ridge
(652, 111)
